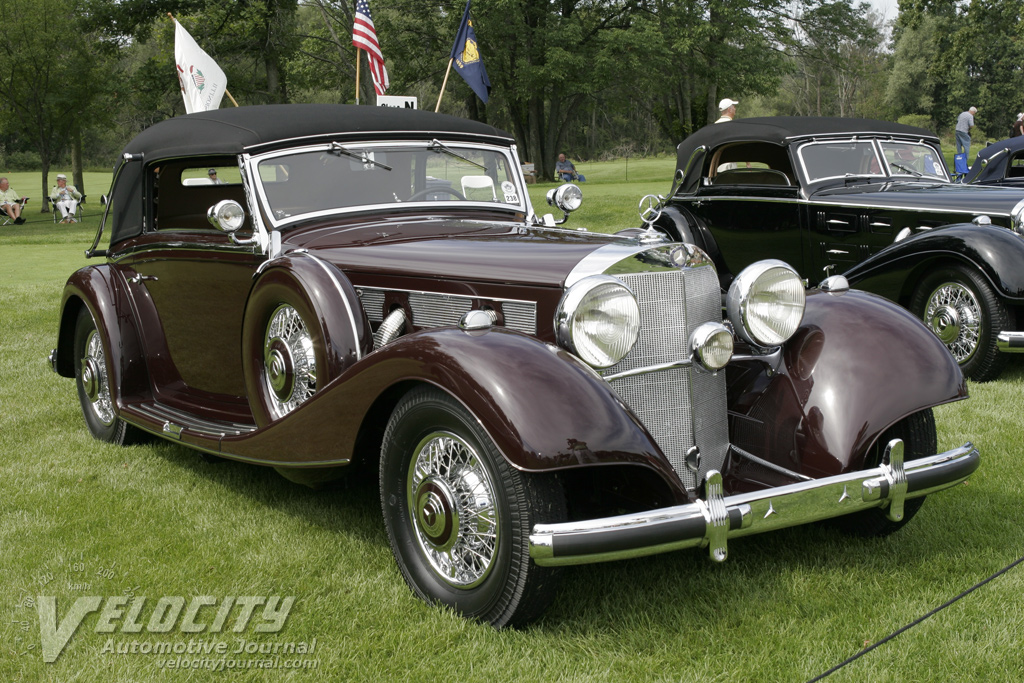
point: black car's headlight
(1017, 218)
(598, 319)
(766, 303)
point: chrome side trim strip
(693, 525)
(818, 203)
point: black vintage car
(372, 289)
(1001, 163)
(870, 199)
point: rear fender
(993, 251)
(543, 408)
(857, 365)
(99, 289)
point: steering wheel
(431, 190)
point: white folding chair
(478, 182)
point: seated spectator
(11, 201)
(212, 174)
(564, 169)
(65, 197)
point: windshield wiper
(438, 146)
(908, 170)
(358, 156)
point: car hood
(468, 250)
(926, 196)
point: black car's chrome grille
(681, 407)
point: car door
(194, 281)
(750, 222)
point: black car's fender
(541, 406)
(683, 226)
(995, 252)
(810, 416)
(99, 289)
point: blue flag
(466, 58)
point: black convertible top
(994, 170)
(780, 129)
(256, 128)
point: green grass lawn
(82, 518)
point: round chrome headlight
(711, 346)
(1017, 218)
(566, 197)
(598, 319)
(766, 303)
(227, 215)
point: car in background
(1001, 163)
(371, 289)
(872, 200)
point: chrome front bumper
(1010, 342)
(711, 522)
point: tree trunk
(77, 178)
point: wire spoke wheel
(459, 516)
(94, 379)
(960, 306)
(289, 361)
(451, 505)
(955, 316)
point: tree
(50, 77)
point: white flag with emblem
(202, 81)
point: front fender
(543, 408)
(993, 251)
(857, 365)
(99, 289)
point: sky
(887, 8)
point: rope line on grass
(917, 621)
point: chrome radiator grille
(681, 407)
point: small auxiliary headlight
(711, 346)
(227, 215)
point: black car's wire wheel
(919, 440)
(289, 362)
(963, 311)
(458, 516)
(92, 379)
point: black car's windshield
(869, 159)
(908, 158)
(354, 176)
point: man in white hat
(65, 197)
(728, 109)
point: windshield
(354, 176)
(869, 158)
(909, 158)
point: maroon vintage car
(360, 286)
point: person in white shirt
(65, 197)
(728, 109)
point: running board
(171, 422)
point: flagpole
(226, 91)
(443, 85)
(357, 75)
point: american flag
(364, 37)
